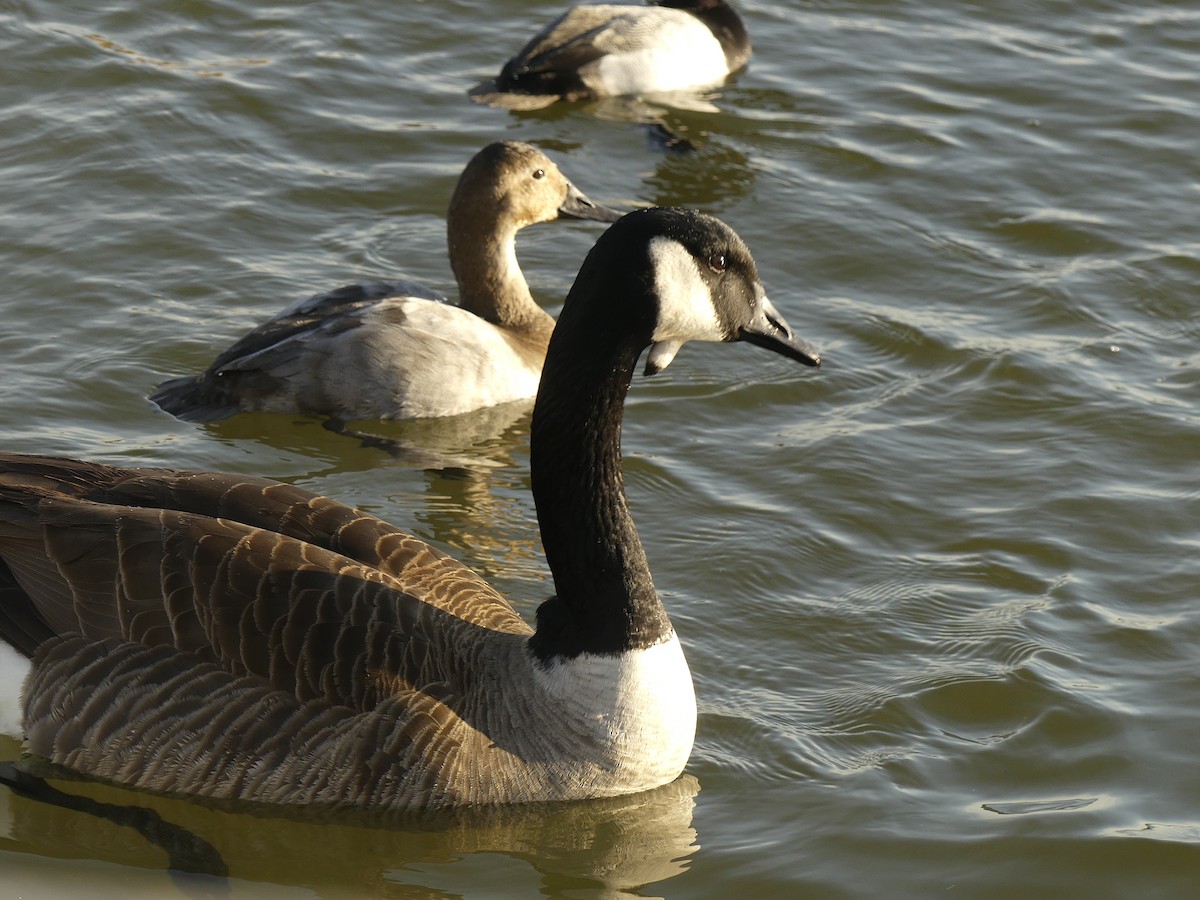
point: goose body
(614, 50)
(397, 350)
(234, 637)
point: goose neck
(605, 601)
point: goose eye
(539, 173)
(716, 262)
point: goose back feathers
(234, 637)
(396, 350)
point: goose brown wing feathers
(29, 482)
(161, 720)
(328, 603)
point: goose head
(677, 275)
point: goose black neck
(605, 600)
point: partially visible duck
(396, 350)
(609, 50)
(237, 638)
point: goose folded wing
(254, 601)
(252, 501)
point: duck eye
(716, 262)
(539, 173)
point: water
(939, 597)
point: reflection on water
(694, 163)
(710, 177)
(479, 439)
(620, 844)
(663, 115)
(490, 526)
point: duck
(241, 639)
(609, 50)
(396, 349)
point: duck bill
(770, 330)
(579, 206)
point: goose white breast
(232, 637)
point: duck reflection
(482, 438)
(712, 176)
(704, 166)
(679, 123)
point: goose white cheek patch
(685, 303)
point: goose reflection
(619, 845)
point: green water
(940, 597)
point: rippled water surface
(940, 597)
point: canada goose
(234, 637)
(611, 50)
(394, 350)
